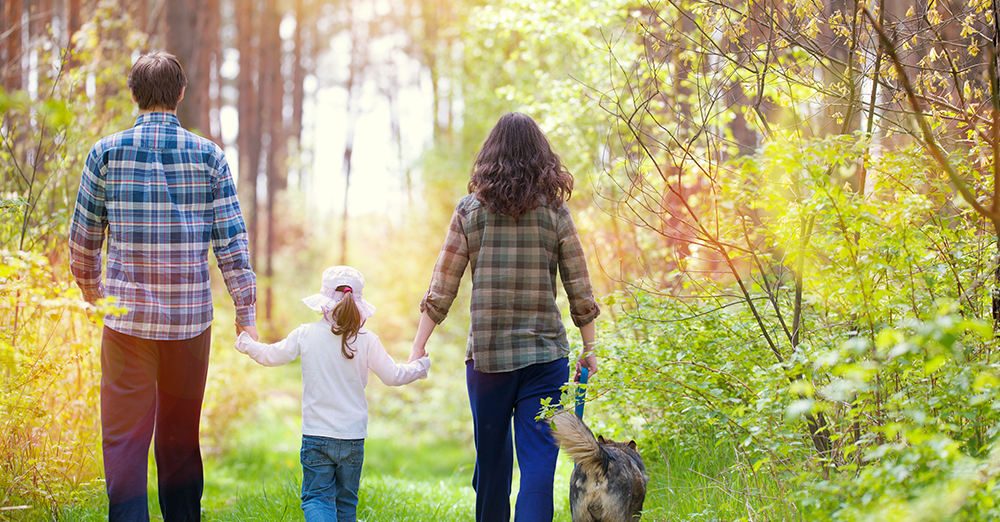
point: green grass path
(431, 482)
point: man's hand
(249, 329)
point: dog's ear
(633, 445)
(600, 439)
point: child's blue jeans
(331, 477)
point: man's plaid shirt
(163, 196)
(514, 263)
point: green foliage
(706, 481)
(801, 336)
(880, 400)
(49, 129)
(49, 393)
(933, 452)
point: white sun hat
(328, 296)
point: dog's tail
(576, 439)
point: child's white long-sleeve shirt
(333, 386)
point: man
(162, 196)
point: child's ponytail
(346, 321)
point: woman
(516, 232)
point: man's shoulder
(191, 141)
(121, 138)
(133, 136)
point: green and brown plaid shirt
(515, 319)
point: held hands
(249, 329)
(416, 353)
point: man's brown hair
(157, 81)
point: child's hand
(251, 330)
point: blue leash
(581, 391)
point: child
(336, 356)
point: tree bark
(355, 70)
(298, 71)
(12, 52)
(190, 36)
(72, 20)
(209, 57)
(248, 107)
(271, 90)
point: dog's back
(609, 481)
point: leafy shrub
(934, 453)
(49, 394)
(835, 347)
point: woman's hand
(416, 353)
(424, 331)
(587, 360)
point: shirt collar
(157, 117)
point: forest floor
(260, 482)
(422, 477)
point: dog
(609, 481)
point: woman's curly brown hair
(516, 171)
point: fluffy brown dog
(609, 481)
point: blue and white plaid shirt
(163, 195)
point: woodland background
(790, 208)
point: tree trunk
(271, 89)
(40, 15)
(248, 106)
(10, 45)
(209, 56)
(396, 132)
(354, 82)
(298, 72)
(190, 38)
(348, 151)
(73, 23)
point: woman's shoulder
(468, 203)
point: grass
(426, 482)
(432, 482)
(421, 476)
(417, 477)
(710, 484)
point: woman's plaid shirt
(514, 263)
(162, 196)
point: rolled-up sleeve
(573, 271)
(87, 230)
(448, 271)
(230, 242)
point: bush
(49, 396)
